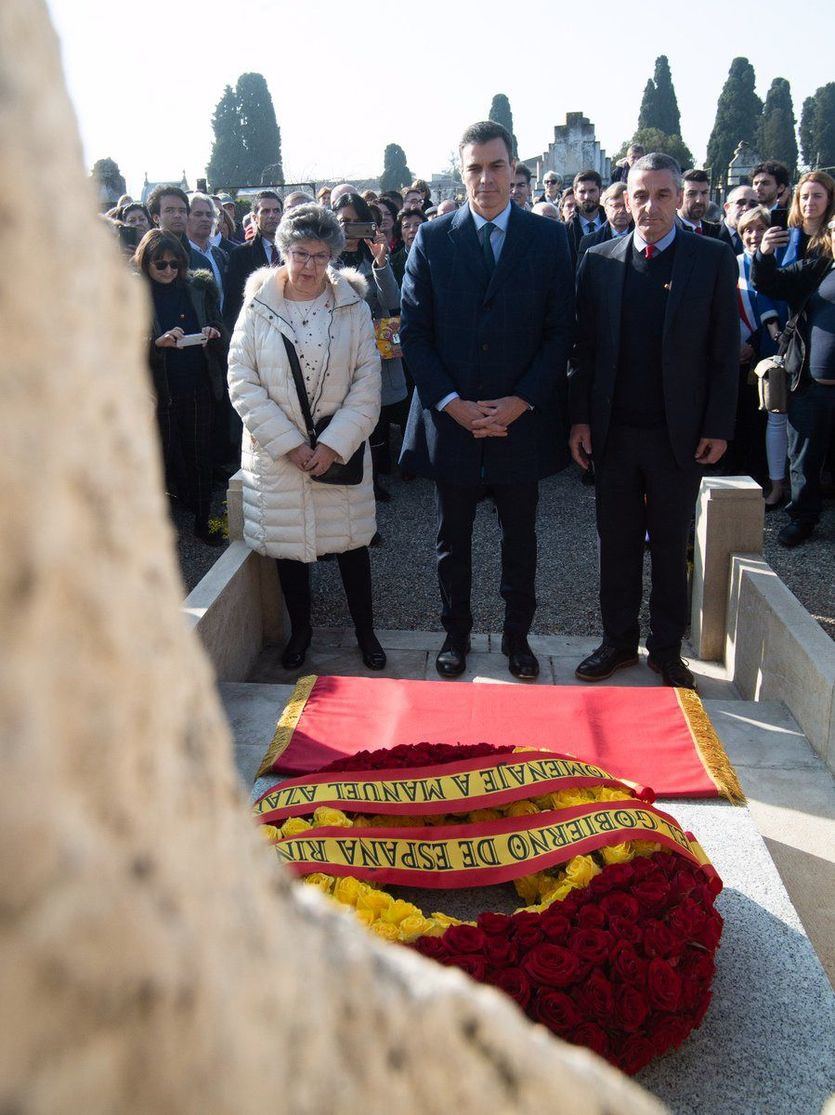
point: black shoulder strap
(295, 368)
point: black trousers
(355, 569)
(393, 414)
(189, 449)
(516, 506)
(811, 430)
(641, 488)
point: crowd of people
(500, 331)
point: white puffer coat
(286, 513)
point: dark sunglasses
(164, 264)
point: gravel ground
(403, 567)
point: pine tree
(668, 117)
(259, 130)
(776, 137)
(500, 113)
(396, 172)
(807, 131)
(224, 167)
(737, 117)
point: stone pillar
(235, 507)
(729, 520)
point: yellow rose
(375, 900)
(478, 816)
(445, 920)
(386, 930)
(528, 888)
(347, 891)
(581, 870)
(398, 910)
(645, 847)
(561, 892)
(522, 809)
(567, 798)
(366, 916)
(415, 926)
(325, 817)
(609, 793)
(270, 833)
(294, 826)
(617, 853)
(323, 882)
(361, 821)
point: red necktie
(649, 251)
(699, 231)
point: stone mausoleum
(574, 148)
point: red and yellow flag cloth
(660, 737)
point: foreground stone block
(152, 956)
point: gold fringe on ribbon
(709, 747)
(287, 724)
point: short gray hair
(656, 160)
(310, 222)
(296, 198)
(202, 197)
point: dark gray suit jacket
(700, 342)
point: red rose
(491, 923)
(474, 966)
(668, 863)
(515, 983)
(663, 985)
(697, 967)
(525, 919)
(619, 874)
(631, 1007)
(555, 927)
(555, 1010)
(594, 997)
(593, 945)
(433, 947)
(652, 892)
(624, 930)
(501, 952)
(711, 931)
(660, 940)
(465, 939)
(591, 916)
(552, 965)
(590, 1035)
(641, 867)
(699, 1012)
(619, 904)
(669, 1031)
(687, 918)
(637, 1051)
(626, 965)
(528, 937)
(684, 881)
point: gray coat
(383, 298)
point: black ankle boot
(373, 654)
(296, 649)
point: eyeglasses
(164, 264)
(318, 259)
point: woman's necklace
(304, 309)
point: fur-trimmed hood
(349, 285)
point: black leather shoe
(373, 654)
(795, 534)
(522, 661)
(296, 649)
(673, 672)
(603, 662)
(452, 657)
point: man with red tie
(694, 202)
(653, 387)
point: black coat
(732, 239)
(242, 262)
(487, 337)
(601, 236)
(575, 233)
(700, 344)
(202, 290)
(794, 284)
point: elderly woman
(306, 314)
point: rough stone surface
(152, 957)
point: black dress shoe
(795, 534)
(373, 654)
(673, 672)
(296, 649)
(522, 661)
(603, 662)
(452, 657)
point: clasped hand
(315, 462)
(487, 417)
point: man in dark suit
(260, 251)
(738, 200)
(201, 221)
(653, 398)
(617, 223)
(695, 199)
(486, 325)
(588, 216)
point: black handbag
(351, 472)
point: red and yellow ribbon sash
(448, 857)
(460, 787)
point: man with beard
(770, 179)
(694, 203)
(260, 251)
(588, 216)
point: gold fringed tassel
(709, 746)
(287, 724)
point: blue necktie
(487, 247)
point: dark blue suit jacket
(486, 337)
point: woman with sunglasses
(188, 379)
(303, 352)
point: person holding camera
(367, 251)
(187, 353)
(304, 376)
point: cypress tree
(825, 125)
(667, 116)
(807, 131)
(737, 117)
(224, 168)
(500, 113)
(776, 139)
(259, 131)
(653, 139)
(396, 171)
(649, 107)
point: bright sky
(145, 83)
